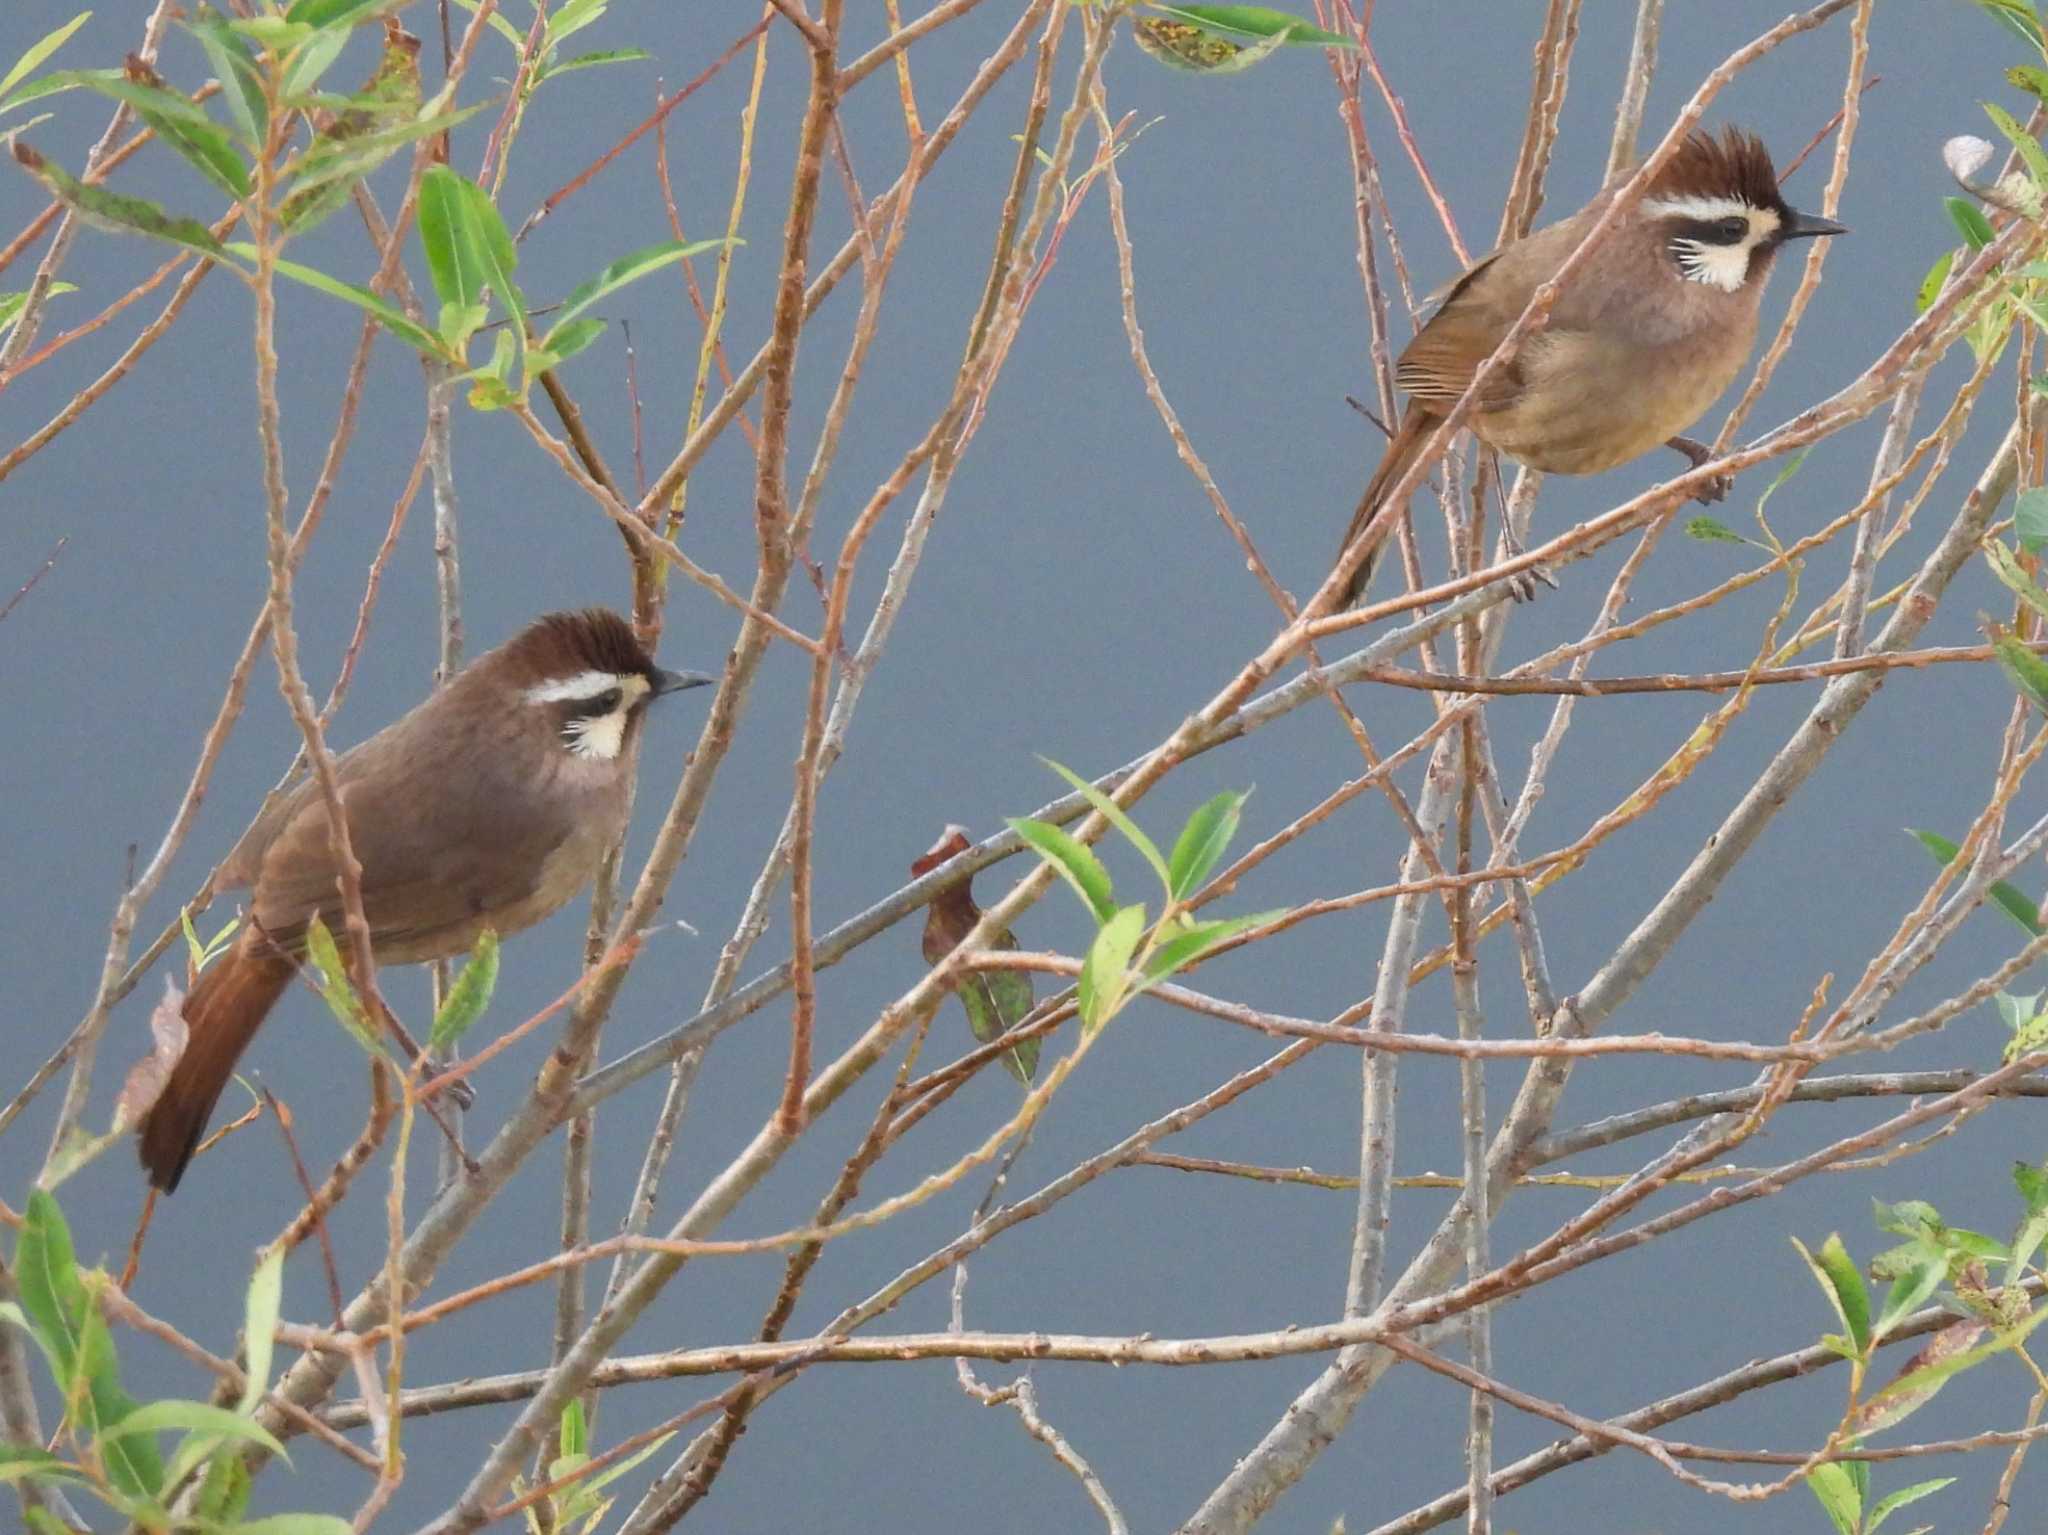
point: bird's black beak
(1805, 226)
(674, 682)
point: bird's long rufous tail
(228, 1004)
(1414, 434)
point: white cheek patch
(598, 736)
(1721, 266)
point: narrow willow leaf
(1184, 948)
(1833, 1484)
(2030, 519)
(46, 1272)
(565, 341)
(196, 1417)
(339, 14)
(111, 210)
(469, 996)
(336, 990)
(2028, 671)
(310, 59)
(12, 304)
(996, 1002)
(1836, 1273)
(260, 1310)
(595, 60)
(1202, 842)
(1906, 1294)
(1976, 229)
(389, 315)
(1114, 814)
(241, 83)
(1711, 530)
(1913, 1494)
(628, 268)
(2014, 576)
(1105, 973)
(1931, 285)
(2010, 898)
(452, 262)
(1075, 861)
(38, 51)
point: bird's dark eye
(606, 701)
(1731, 229)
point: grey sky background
(1077, 600)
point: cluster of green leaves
(578, 1508)
(271, 69)
(465, 1002)
(1128, 956)
(1203, 39)
(1932, 1260)
(108, 1445)
(557, 29)
(2025, 1021)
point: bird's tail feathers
(228, 1004)
(1402, 449)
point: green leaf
(1202, 842)
(133, 1465)
(12, 304)
(310, 58)
(1833, 1484)
(241, 83)
(1114, 814)
(336, 990)
(565, 341)
(1836, 1273)
(2017, 17)
(1196, 940)
(996, 1002)
(1907, 1292)
(2009, 571)
(572, 18)
(52, 1296)
(1931, 285)
(295, 1524)
(111, 210)
(1254, 21)
(20, 1460)
(594, 60)
(180, 124)
(2030, 78)
(629, 268)
(197, 1417)
(33, 59)
(1105, 973)
(1711, 530)
(1885, 1505)
(500, 25)
(469, 996)
(2029, 673)
(2030, 519)
(389, 315)
(2029, 148)
(459, 322)
(2033, 1187)
(1976, 229)
(452, 264)
(2007, 897)
(355, 157)
(1075, 861)
(339, 13)
(271, 32)
(260, 1310)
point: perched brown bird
(488, 806)
(1641, 341)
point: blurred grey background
(1077, 600)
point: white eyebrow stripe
(582, 685)
(1706, 209)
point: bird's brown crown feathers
(1736, 164)
(588, 640)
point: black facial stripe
(594, 707)
(1711, 231)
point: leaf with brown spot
(995, 1000)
